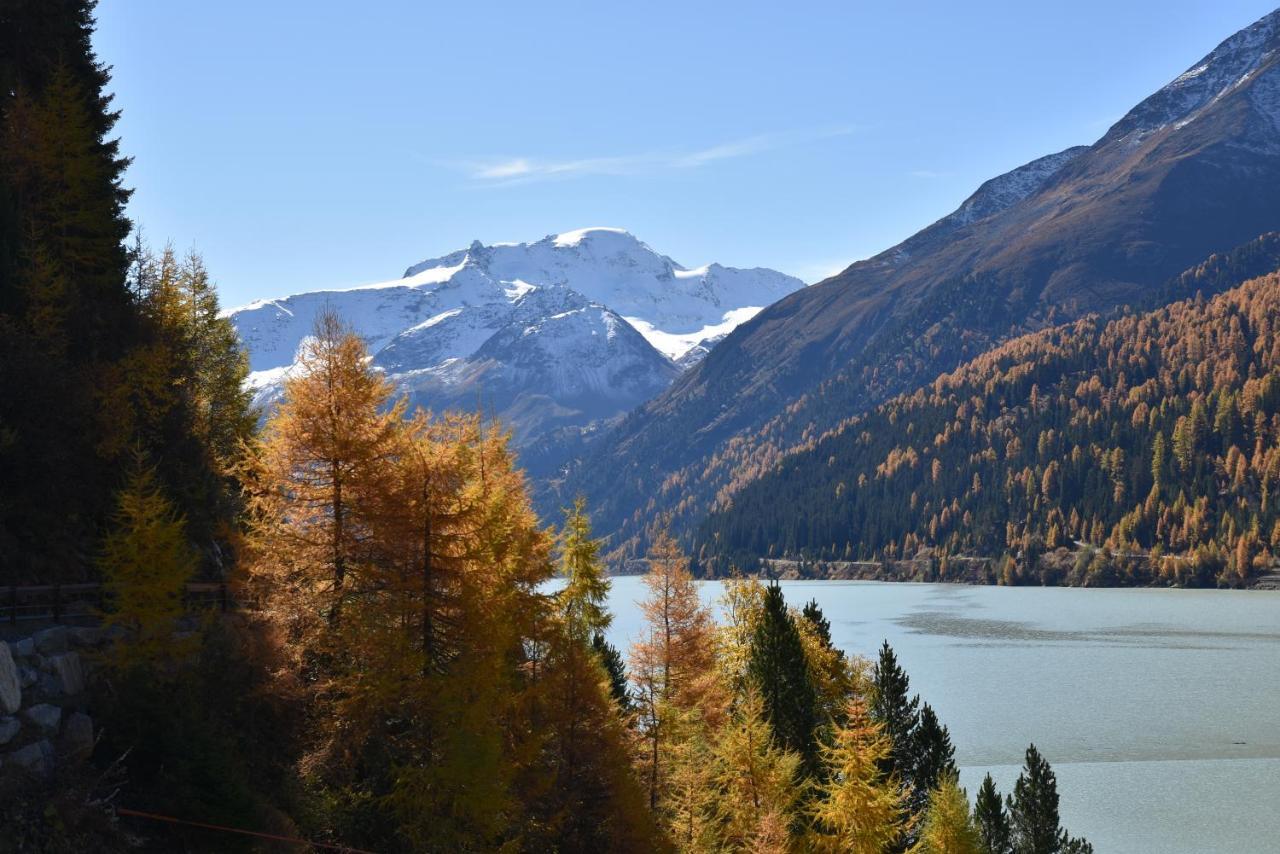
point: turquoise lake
(1159, 709)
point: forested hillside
(1186, 173)
(1154, 432)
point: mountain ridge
(1098, 229)
(523, 329)
(1151, 433)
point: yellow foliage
(857, 810)
(756, 782)
(947, 827)
(146, 562)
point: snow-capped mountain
(674, 307)
(561, 332)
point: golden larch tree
(756, 781)
(673, 665)
(947, 827)
(323, 452)
(146, 563)
(856, 809)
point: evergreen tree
(1033, 811)
(66, 316)
(813, 613)
(932, 758)
(616, 669)
(991, 820)
(896, 712)
(947, 828)
(835, 677)
(779, 670)
(87, 371)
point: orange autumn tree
(447, 690)
(315, 476)
(402, 564)
(673, 665)
(514, 736)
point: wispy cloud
(520, 170)
(506, 169)
(926, 173)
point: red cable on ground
(171, 820)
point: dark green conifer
(813, 613)
(65, 311)
(1033, 812)
(895, 710)
(616, 669)
(780, 670)
(990, 818)
(88, 370)
(933, 758)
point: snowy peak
(570, 329)
(619, 236)
(1229, 66)
(673, 306)
(555, 360)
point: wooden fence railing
(59, 602)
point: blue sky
(308, 145)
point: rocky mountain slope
(555, 334)
(1190, 171)
(1153, 430)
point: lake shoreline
(1061, 567)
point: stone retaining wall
(42, 696)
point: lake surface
(1159, 709)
